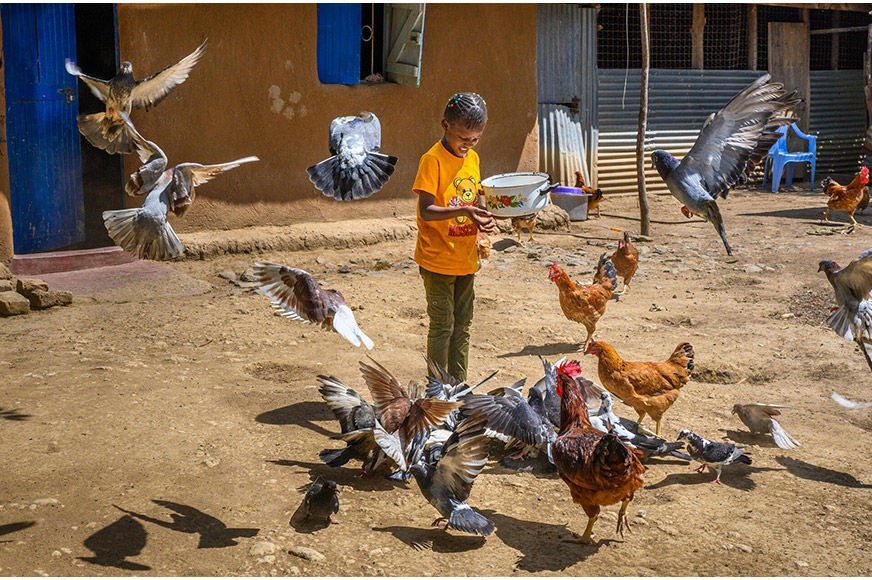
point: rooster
(626, 260)
(598, 468)
(586, 303)
(596, 194)
(649, 387)
(846, 197)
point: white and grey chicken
(356, 169)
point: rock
(744, 548)
(26, 286)
(262, 549)
(306, 553)
(227, 275)
(5, 273)
(752, 269)
(13, 303)
(248, 276)
(7, 285)
(344, 269)
(42, 299)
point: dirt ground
(168, 427)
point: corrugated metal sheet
(678, 103)
(838, 118)
(566, 66)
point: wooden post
(867, 75)
(696, 32)
(644, 210)
(752, 37)
(834, 43)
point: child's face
(458, 139)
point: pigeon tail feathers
(345, 182)
(782, 438)
(103, 133)
(465, 519)
(125, 230)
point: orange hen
(586, 303)
(847, 197)
(626, 260)
(598, 468)
(650, 388)
(596, 194)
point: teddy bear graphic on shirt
(465, 190)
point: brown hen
(626, 260)
(598, 468)
(586, 303)
(596, 194)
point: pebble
(248, 276)
(45, 501)
(343, 269)
(227, 275)
(745, 548)
(262, 549)
(306, 553)
(801, 564)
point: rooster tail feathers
(123, 228)
(466, 519)
(683, 356)
(342, 181)
(103, 133)
(606, 272)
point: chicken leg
(622, 518)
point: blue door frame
(45, 165)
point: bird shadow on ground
(543, 547)
(551, 349)
(213, 532)
(811, 215)
(346, 476)
(112, 545)
(736, 476)
(813, 472)
(13, 415)
(747, 438)
(14, 527)
(302, 414)
(436, 540)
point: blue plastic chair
(779, 157)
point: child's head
(463, 121)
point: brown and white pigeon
(355, 169)
(760, 418)
(122, 93)
(145, 231)
(852, 320)
(295, 294)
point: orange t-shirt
(448, 246)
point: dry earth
(167, 426)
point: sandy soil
(169, 427)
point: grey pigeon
(731, 143)
(122, 93)
(145, 231)
(295, 294)
(447, 483)
(319, 504)
(852, 320)
(605, 420)
(353, 413)
(713, 454)
(355, 169)
(760, 418)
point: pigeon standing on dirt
(447, 483)
(355, 169)
(321, 502)
(731, 143)
(295, 294)
(712, 454)
(852, 320)
(145, 231)
(760, 418)
(122, 93)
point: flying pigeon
(852, 320)
(122, 93)
(320, 502)
(760, 418)
(712, 453)
(355, 169)
(145, 231)
(731, 143)
(295, 294)
(353, 413)
(447, 483)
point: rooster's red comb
(571, 368)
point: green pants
(449, 305)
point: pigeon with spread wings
(731, 143)
(355, 169)
(852, 319)
(145, 231)
(295, 294)
(122, 93)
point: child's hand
(483, 219)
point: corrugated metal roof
(838, 118)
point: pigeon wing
(345, 324)
(294, 293)
(187, 176)
(463, 457)
(99, 87)
(856, 277)
(391, 401)
(151, 90)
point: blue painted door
(45, 165)
(339, 43)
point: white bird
(849, 404)
(760, 418)
(145, 231)
(295, 294)
(355, 169)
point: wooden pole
(696, 32)
(752, 37)
(867, 89)
(644, 210)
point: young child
(447, 184)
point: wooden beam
(752, 36)
(838, 30)
(834, 43)
(697, 33)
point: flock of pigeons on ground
(440, 434)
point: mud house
(561, 83)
